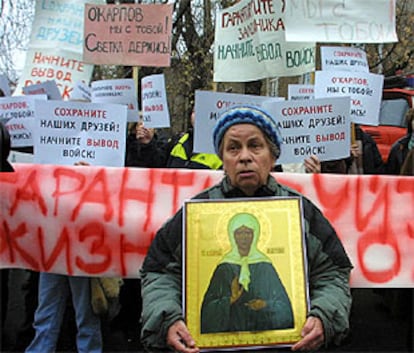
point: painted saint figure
(245, 292)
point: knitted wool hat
(246, 114)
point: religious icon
(244, 274)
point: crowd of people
(247, 144)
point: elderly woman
(248, 142)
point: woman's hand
(179, 338)
(313, 335)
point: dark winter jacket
(328, 269)
(397, 155)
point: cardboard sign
(208, 107)
(249, 44)
(318, 127)
(364, 89)
(344, 59)
(18, 115)
(341, 21)
(128, 34)
(155, 112)
(300, 92)
(70, 132)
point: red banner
(99, 221)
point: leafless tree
(15, 27)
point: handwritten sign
(318, 126)
(249, 44)
(18, 114)
(155, 112)
(64, 67)
(97, 221)
(300, 92)
(208, 107)
(128, 34)
(69, 132)
(341, 21)
(344, 59)
(55, 47)
(364, 89)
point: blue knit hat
(246, 114)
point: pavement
(381, 321)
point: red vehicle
(392, 125)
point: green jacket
(328, 270)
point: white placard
(155, 112)
(117, 91)
(318, 126)
(340, 21)
(81, 92)
(364, 89)
(249, 44)
(70, 132)
(208, 107)
(18, 114)
(344, 59)
(49, 88)
(297, 92)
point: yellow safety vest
(210, 160)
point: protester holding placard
(248, 141)
(365, 157)
(144, 147)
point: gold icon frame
(205, 241)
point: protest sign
(49, 88)
(81, 92)
(365, 90)
(55, 47)
(344, 59)
(4, 85)
(18, 114)
(208, 107)
(96, 221)
(155, 112)
(60, 65)
(128, 34)
(318, 126)
(340, 21)
(70, 132)
(300, 92)
(249, 44)
(118, 91)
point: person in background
(364, 158)
(54, 291)
(400, 148)
(408, 165)
(248, 142)
(144, 147)
(180, 152)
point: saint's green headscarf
(233, 256)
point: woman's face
(243, 237)
(247, 157)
